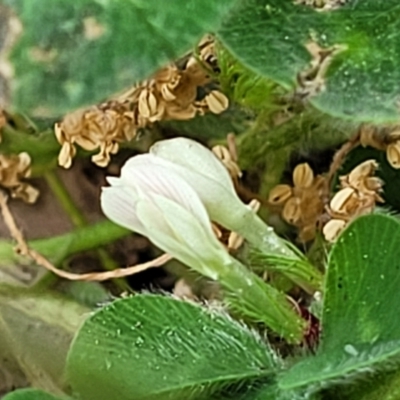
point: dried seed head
(303, 176)
(332, 229)
(217, 102)
(13, 170)
(393, 154)
(342, 199)
(280, 194)
(291, 211)
(171, 93)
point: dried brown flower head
(386, 139)
(358, 196)
(303, 203)
(100, 127)
(170, 94)
(13, 170)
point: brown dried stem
(23, 249)
(340, 156)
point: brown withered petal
(147, 103)
(332, 229)
(166, 93)
(234, 241)
(291, 211)
(60, 135)
(373, 183)
(24, 166)
(340, 201)
(72, 123)
(13, 169)
(25, 192)
(393, 154)
(303, 176)
(87, 143)
(221, 152)
(395, 135)
(217, 102)
(66, 154)
(174, 111)
(370, 137)
(363, 170)
(280, 194)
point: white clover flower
(199, 167)
(152, 199)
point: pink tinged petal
(194, 156)
(119, 205)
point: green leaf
(74, 53)
(360, 324)
(361, 84)
(32, 394)
(37, 330)
(153, 347)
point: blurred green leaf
(153, 347)
(269, 36)
(360, 324)
(32, 394)
(37, 329)
(74, 53)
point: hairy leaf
(361, 82)
(153, 347)
(360, 324)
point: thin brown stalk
(23, 249)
